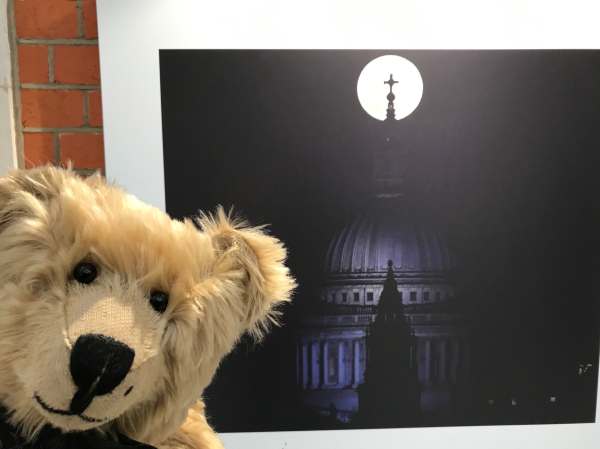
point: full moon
(372, 92)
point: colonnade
(340, 362)
(330, 363)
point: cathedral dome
(386, 234)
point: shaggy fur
(223, 279)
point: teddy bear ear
(256, 261)
(22, 192)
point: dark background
(506, 158)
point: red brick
(90, 21)
(50, 19)
(38, 149)
(76, 64)
(95, 108)
(85, 150)
(51, 108)
(33, 63)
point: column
(314, 375)
(356, 363)
(341, 367)
(427, 361)
(443, 361)
(305, 365)
(308, 364)
(324, 363)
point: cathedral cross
(391, 82)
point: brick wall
(59, 82)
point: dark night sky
(506, 147)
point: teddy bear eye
(85, 272)
(159, 300)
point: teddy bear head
(111, 312)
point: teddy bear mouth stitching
(56, 411)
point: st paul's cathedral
(386, 342)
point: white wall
(132, 32)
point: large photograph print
(441, 214)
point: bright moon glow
(372, 92)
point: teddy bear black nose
(98, 364)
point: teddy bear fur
(223, 279)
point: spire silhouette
(390, 395)
(391, 112)
(390, 302)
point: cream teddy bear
(114, 317)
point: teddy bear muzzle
(98, 364)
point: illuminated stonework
(332, 352)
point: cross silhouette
(391, 82)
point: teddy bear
(114, 316)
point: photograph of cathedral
(441, 221)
